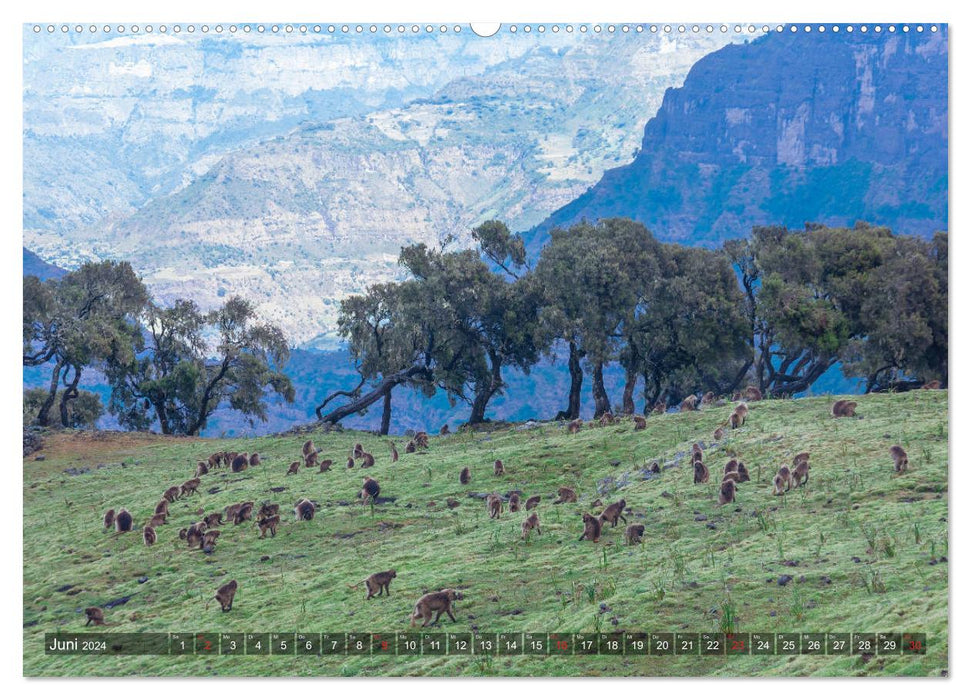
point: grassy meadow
(866, 548)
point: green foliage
(84, 410)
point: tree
(83, 412)
(78, 321)
(190, 362)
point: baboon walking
(531, 523)
(378, 583)
(438, 602)
(782, 481)
(614, 512)
(574, 426)
(900, 460)
(566, 495)
(494, 505)
(532, 502)
(268, 523)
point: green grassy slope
(862, 539)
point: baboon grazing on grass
(782, 481)
(244, 513)
(96, 617)
(532, 502)
(231, 511)
(209, 539)
(162, 507)
(213, 519)
(157, 520)
(634, 534)
(171, 494)
(304, 510)
(718, 434)
(325, 466)
(370, 490)
(189, 487)
(494, 505)
(148, 535)
(574, 426)
(465, 476)
(614, 512)
(293, 469)
(109, 519)
(378, 583)
(514, 503)
(438, 602)
(901, 463)
(591, 528)
(268, 510)
(800, 474)
(123, 521)
(727, 493)
(701, 473)
(225, 595)
(844, 409)
(531, 523)
(268, 523)
(640, 423)
(202, 469)
(240, 462)
(606, 419)
(566, 495)
(498, 469)
(690, 403)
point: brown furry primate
(701, 473)
(514, 503)
(231, 511)
(574, 426)
(190, 487)
(123, 521)
(718, 434)
(213, 519)
(661, 406)
(225, 594)
(597, 503)
(782, 481)
(202, 468)
(358, 451)
(157, 520)
(421, 439)
(655, 468)
(171, 494)
(305, 509)
(640, 423)
(731, 466)
(606, 419)
(801, 457)
(800, 473)
(844, 409)
(697, 454)
(566, 495)
(410, 447)
(494, 505)
(708, 398)
(690, 403)
(531, 523)
(465, 476)
(438, 602)
(148, 535)
(901, 463)
(367, 460)
(325, 466)
(444, 430)
(193, 535)
(737, 419)
(215, 459)
(377, 583)
(310, 460)
(96, 617)
(270, 523)
(350, 462)
(209, 538)
(591, 528)
(498, 469)
(244, 513)
(369, 491)
(109, 519)
(532, 502)
(308, 447)
(162, 507)
(268, 510)
(293, 468)
(394, 453)
(727, 493)
(732, 476)
(743, 475)
(752, 393)
(634, 534)
(240, 462)
(614, 512)
(254, 459)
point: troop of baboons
(203, 535)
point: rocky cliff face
(787, 129)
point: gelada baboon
(123, 521)
(96, 617)
(304, 510)
(801, 457)
(655, 468)
(240, 462)
(732, 476)
(171, 494)
(148, 535)
(293, 468)
(498, 469)
(718, 434)
(800, 473)
(350, 462)
(310, 460)
(531, 523)
(782, 481)
(308, 448)
(225, 594)
(844, 409)
(209, 539)
(254, 459)
(444, 430)
(597, 503)
(900, 461)
(591, 528)
(394, 453)
(369, 491)
(421, 439)
(377, 583)
(243, 513)
(701, 473)
(640, 423)
(634, 533)
(270, 523)
(465, 476)
(494, 505)
(566, 495)
(109, 519)
(614, 512)
(606, 419)
(157, 520)
(202, 469)
(752, 393)
(213, 519)
(189, 487)
(727, 493)
(268, 510)
(214, 459)
(697, 455)
(574, 426)
(731, 466)
(661, 406)
(708, 398)
(690, 403)
(737, 419)
(514, 503)
(438, 602)
(410, 447)
(325, 466)
(743, 475)
(532, 502)
(367, 460)
(162, 507)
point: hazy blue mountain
(790, 128)
(34, 265)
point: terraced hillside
(866, 549)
